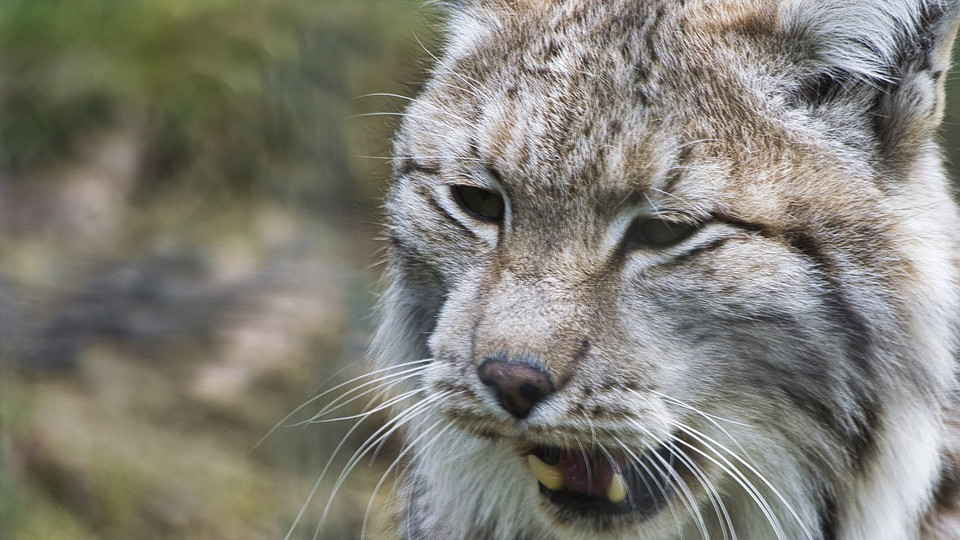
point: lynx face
(677, 270)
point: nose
(519, 383)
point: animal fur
(794, 351)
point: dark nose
(519, 384)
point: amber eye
(647, 233)
(482, 203)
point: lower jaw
(592, 515)
(647, 495)
(583, 517)
(576, 504)
(572, 504)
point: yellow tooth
(548, 475)
(617, 490)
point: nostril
(532, 393)
(519, 384)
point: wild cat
(676, 270)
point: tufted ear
(874, 39)
(885, 60)
(470, 22)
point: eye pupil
(482, 203)
(657, 233)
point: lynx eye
(651, 233)
(482, 203)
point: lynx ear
(874, 39)
(446, 5)
(883, 59)
(470, 22)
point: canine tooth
(548, 475)
(617, 490)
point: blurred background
(189, 209)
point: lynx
(677, 270)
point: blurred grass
(236, 98)
(185, 253)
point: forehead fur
(575, 100)
(589, 86)
(861, 37)
(634, 55)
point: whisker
(396, 461)
(334, 389)
(726, 466)
(713, 419)
(695, 208)
(669, 472)
(323, 474)
(366, 414)
(377, 385)
(706, 415)
(697, 141)
(430, 107)
(383, 440)
(465, 159)
(660, 487)
(440, 66)
(585, 458)
(384, 94)
(757, 473)
(679, 481)
(452, 86)
(385, 431)
(421, 117)
(716, 501)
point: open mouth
(588, 483)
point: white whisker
(319, 396)
(366, 414)
(423, 157)
(721, 461)
(410, 446)
(660, 487)
(716, 501)
(423, 118)
(323, 474)
(706, 439)
(688, 498)
(472, 83)
(377, 385)
(385, 431)
(385, 94)
(713, 419)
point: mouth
(592, 484)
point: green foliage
(232, 97)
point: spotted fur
(796, 352)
